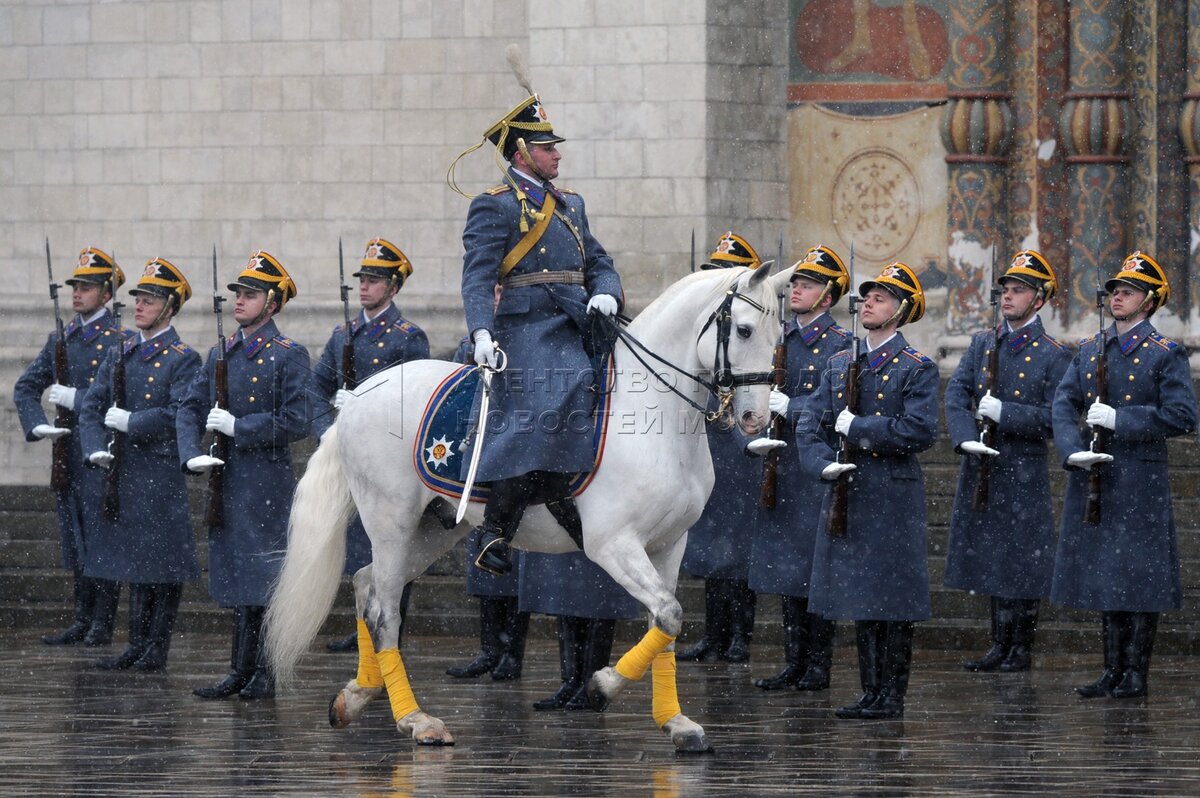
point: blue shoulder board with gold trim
(181, 348)
(1088, 340)
(1054, 342)
(1163, 341)
(404, 326)
(285, 342)
(915, 355)
(838, 330)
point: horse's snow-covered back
(652, 485)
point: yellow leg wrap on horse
(635, 662)
(665, 702)
(399, 691)
(368, 665)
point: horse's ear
(781, 280)
(757, 276)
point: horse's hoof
(426, 730)
(604, 685)
(339, 717)
(350, 703)
(687, 736)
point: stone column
(1095, 129)
(976, 131)
(1189, 132)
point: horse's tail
(312, 569)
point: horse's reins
(724, 379)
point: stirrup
(496, 553)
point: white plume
(516, 60)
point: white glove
(62, 395)
(975, 447)
(1086, 459)
(604, 304)
(779, 402)
(221, 421)
(101, 458)
(47, 431)
(989, 407)
(761, 446)
(835, 470)
(844, 420)
(485, 349)
(340, 398)
(203, 463)
(1102, 415)
(117, 419)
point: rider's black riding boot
(262, 683)
(572, 642)
(716, 623)
(869, 637)
(1024, 626)
(162, 621)
(741, 621)
(493, 612)
(505, 506)
(1002, 630)
(567, 515)
(241, 661)
(140, 607)
(105, 596)
(512, 643)
(597, 652)
(1138, 646)
(897, 665)
(84, 590)
(795, 645)
(820, 653)
(1112, 638)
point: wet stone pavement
(71, 731)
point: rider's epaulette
(500, 189)
(915, 355)
(562, 190)
(286, 343)
(182, 348)
(1162, 341)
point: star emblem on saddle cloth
(439, 452)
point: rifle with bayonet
(64, 418)
(349, 377)
(116, 439)
(766, 495)
(987, 426)
(839, 505)
(215, 514)
(1099, 444)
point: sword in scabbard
(485, 374)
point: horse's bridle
(724, 379)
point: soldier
(154, 550)
(785, 535)
(92, 331)
(382, 338)
(876, 574)
(533, 239)
(1125, 564)
(268, 411)
(1005, 549)
(717, 550)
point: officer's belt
(571, 277)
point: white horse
(652, 484)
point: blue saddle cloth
(447, 421)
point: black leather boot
(512, 643)
(795, 644)
(262, 682)
(567, 515)
(1140, 643)
(1025, 620)
(716, 624)
(741, 621)
(165, 601)
(501, 517)
(868, 636)
(1002, 630)
(492, 616)
(1112, 630)
(140, 608)
(572, 643)
(241, 662)
(820, 653)
(597, 652)
(897, 666)
(106, 596)
(82, 589)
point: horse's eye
(745, 331)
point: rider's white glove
(117, 419)
(1102, 415)
(62, 395)
(975, 447)
(761, 446)
(779, 402)
(220, 420)
(340, 398)
(989, 407)
(604, 304)
(835, 470)
(1086, 459)
(485, 349)
(203, 463)
(48, 431)
(844, 420)
(102, 458)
